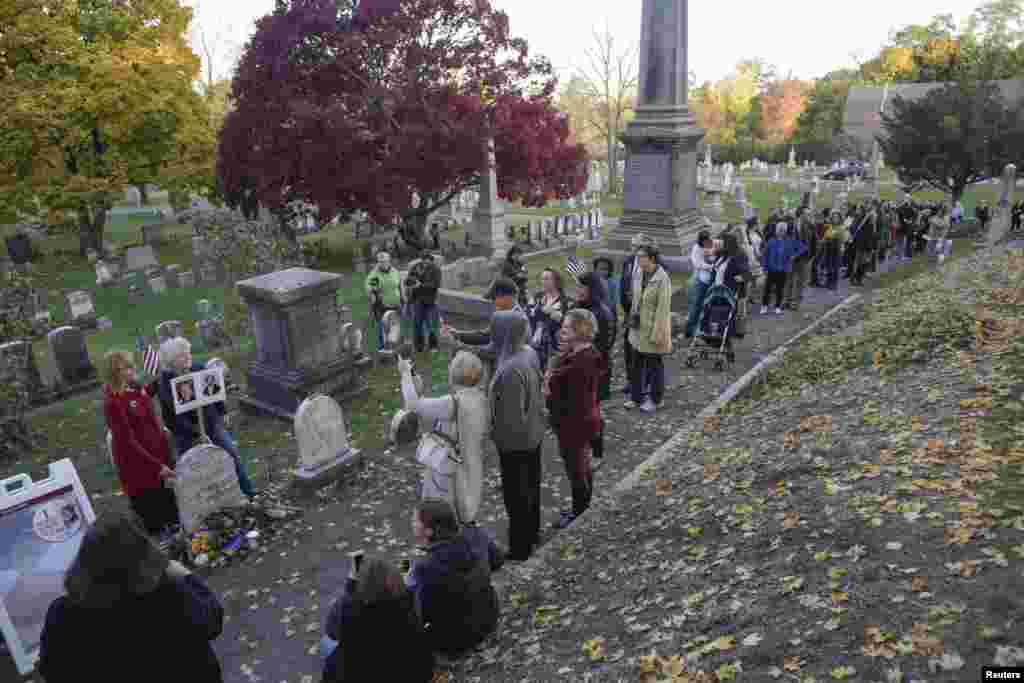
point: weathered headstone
(173, 276)
(79, 309)
(104, 274)
(187, 279)
(169, 329)
(322, 437)
(153, 233)
(392, 325)
(70, 355)
(18, 366)
(205, 482)
(158, 285)
(139, 259)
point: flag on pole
(574, 268)
(151, 361)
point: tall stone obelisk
(489, 216)
(661, 175)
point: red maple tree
(389, 112)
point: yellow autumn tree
(97, 96)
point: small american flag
(574, 268)
(151, 360)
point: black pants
(597, 443)
(156, 508)
(520, 487)
(581, 477)
(649, 375)
(777, 282)
(629, 355)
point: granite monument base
(345, 463)
(276, 392)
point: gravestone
(153, 233)
(18, 366)
(158, 285)
(299, 352)
(136, 294)
(79, 309)
(205, 482)
(187, 280)
(392, 326)
(139, 259)
(105, 276)
(169, 329)
(173, 276)
(212, 333)
(70, 355)
(204, 309)
(324, 449)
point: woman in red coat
(140, 449)
(571, 388)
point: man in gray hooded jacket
(517, 427)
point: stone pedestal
(489, 216)
(660, 197)
(299, 352)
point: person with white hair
(462, 417)
(176, 360)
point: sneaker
(565, 520)
(778, 311)
(629, 405)
(764, 310)
(648, 406)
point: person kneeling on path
(461, 417)
(139, 447)
(571, 391)
(452, 585)
(176, 358)
(375, 607)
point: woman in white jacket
(468, 428)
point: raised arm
(432, 408)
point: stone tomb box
(299, 352)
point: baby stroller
(715, 328)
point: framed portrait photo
(198, 389)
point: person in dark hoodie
(452, 585)
(517, 428)
(592, 296)
(571, 391)
(176, 358)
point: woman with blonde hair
(138, 445)
(460, 417)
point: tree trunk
(613, 166)
(412, 230)
(143, 194)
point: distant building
(863, 120)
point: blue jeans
(698, 290)
(832, 258)
(327, 647)
(424, 317)
(222, 438)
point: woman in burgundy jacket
(571, 388)
(140, 449)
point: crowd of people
(544, 361)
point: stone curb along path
(668, 449)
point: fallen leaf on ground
(793, 664)
(663, 487)
(919, 584)
(712, 472)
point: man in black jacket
(422, 283)
(984, 215)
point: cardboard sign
(198, 389)
(41, 529)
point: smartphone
(357, 561)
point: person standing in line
(650, 330)
(592, 296)
(421, 286)
(571, 390)
(604, 267)
(549, 305)
(797, 280)
(384, 287)
(777, 261)
(700, 281)
(140, 449)
(517, 419)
